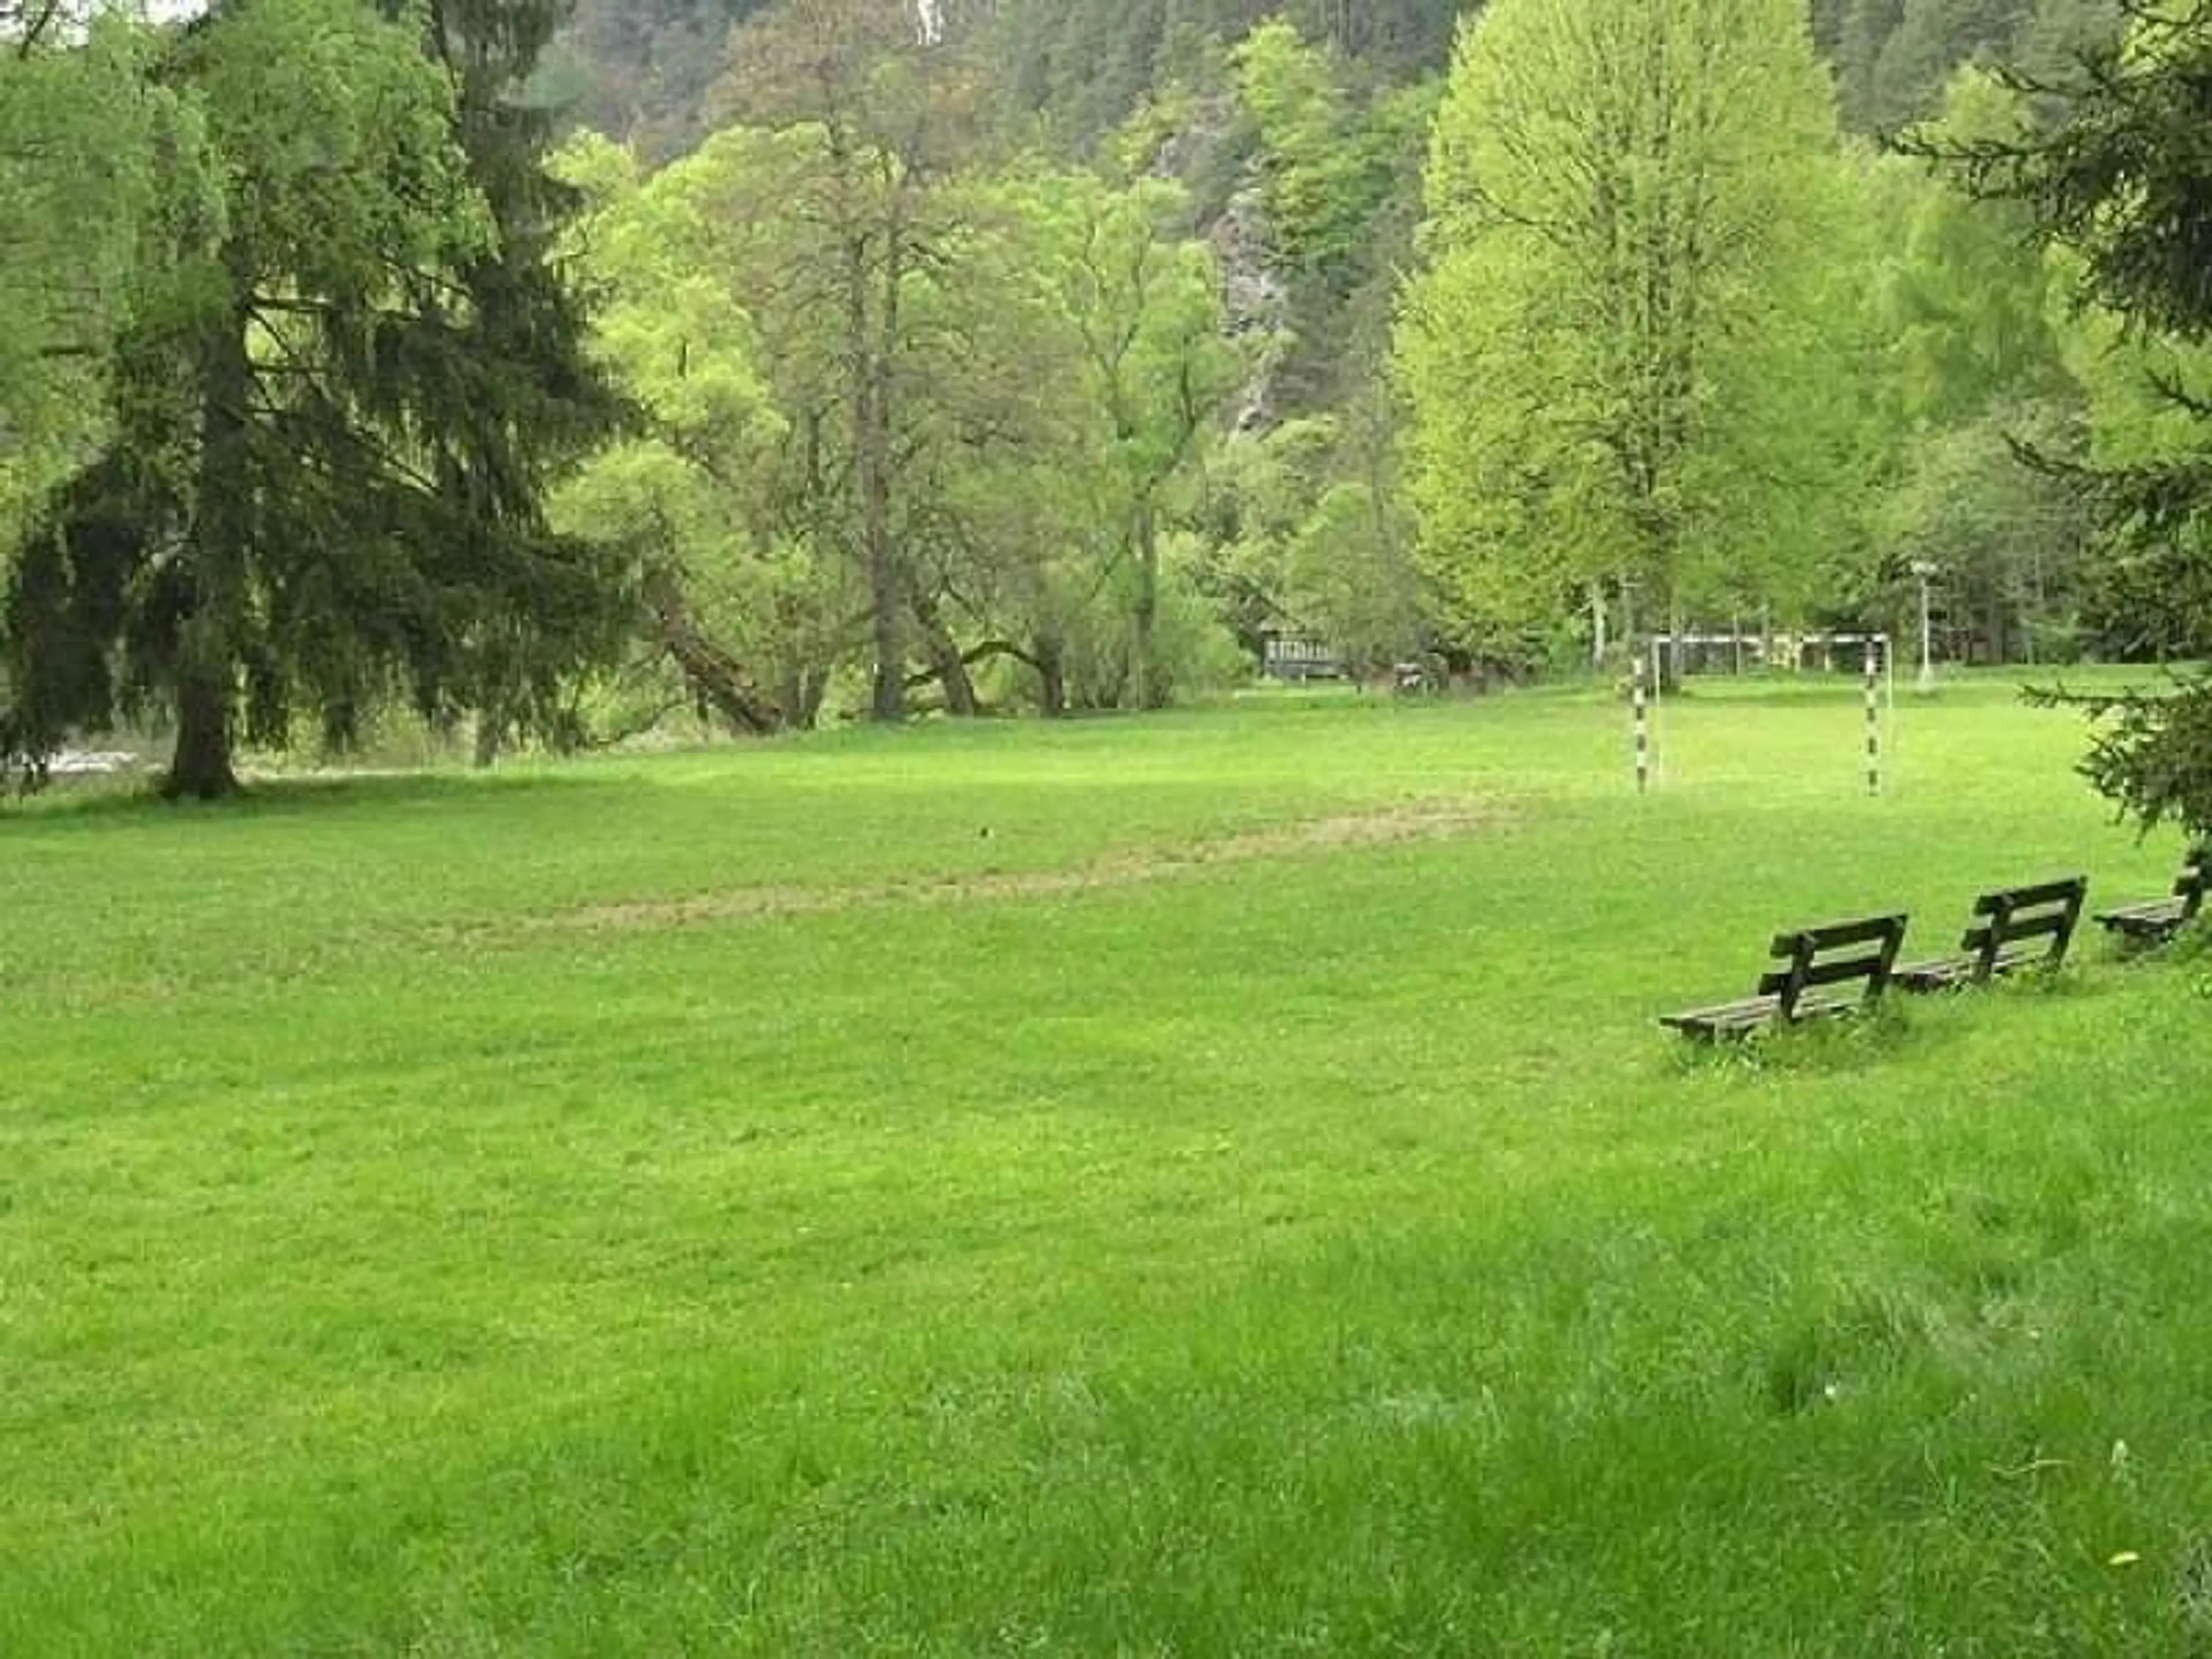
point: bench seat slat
(2153, 910)
(1936, 976)
(1734, 1018)
(2153, 921)
(2156, 918)
(1945, 972)
(1724, 1017)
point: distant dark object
(2155, 920)
(2004, 921)
(1813, 958)
(1296, 658)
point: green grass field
(1204, 1185)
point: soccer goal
(1869, 655)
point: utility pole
(1925, 570)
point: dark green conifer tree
(2123, 176)
(336, 418)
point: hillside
(1074, 72)
(644, 67)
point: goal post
(1869, 654)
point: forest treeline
(641, 70)
(871, 356)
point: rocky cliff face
(1256, 299)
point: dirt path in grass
(1381, 827)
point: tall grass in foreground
(1201, 1185)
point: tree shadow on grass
(311, 794)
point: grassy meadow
(1209, 1184)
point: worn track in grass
(1416, 821)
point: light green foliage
(1337, 156)
(1260, 486)
(1973, 302)
(1055, 357)
(88, 149)
(1306, 549)
(1038, 511)
(2145, 593)
(2120, 176)
(1635, 350)
(1142, 305)
(334, 135)
(1979, 380)
(2126, 374)
(1350, 571)
(1139, 316)
(694, 497)
(2006, 535)
(846, 227)
(1326, 174)
(1254, 1213)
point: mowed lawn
(1209, 1184)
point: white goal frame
(1881, 723)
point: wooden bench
(2005, 920)
(2155, 920)
(1813, 959)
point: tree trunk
(813, 687)
(946, 663)
(216, 550)
(1148, 606)
(201, 767)
(1669, 668)
(1052, 677)
(875, 341)
(717, 680)
(799, 695)
(887, 702)
(869, 337)
(960, 698)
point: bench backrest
(2013, 915)
(2195, 873)
(1833, 954)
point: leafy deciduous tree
(1623, 360)
(852, 223)
(747, 608)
